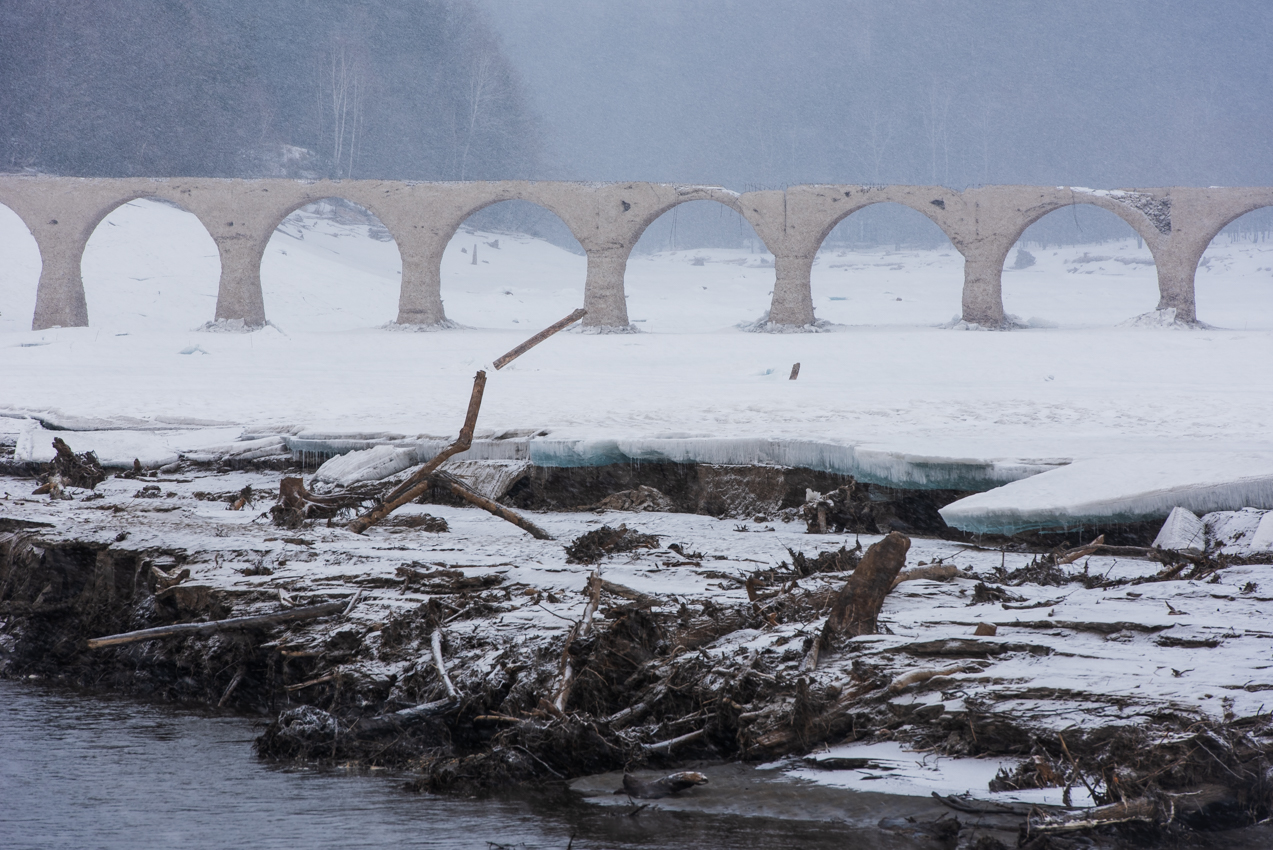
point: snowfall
(1085, 413)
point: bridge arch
(331, 264)
(512, 264)
(691, 268)
(19, 272)
(1079, 265)
(149, 263)
(1234, 273)
(857, 280)
(1136, 220)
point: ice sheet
(1124, 488)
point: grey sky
(748, 92)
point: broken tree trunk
(291, 615)
(76, 470)
(857, 607)
(414, 487)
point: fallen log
(933, 572)
(291, 615)
(666, 746)
(856, 609)
(1082, 551)
(540, 337)
(414, 487)
(1140, 809)
(396, 720)
(477, 500)
(642, 599)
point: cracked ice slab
(1126, 488)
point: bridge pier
(1176, 270)
(982, 301)
(239, 295)
(792, 302)
(420, 298)
(59, 297)
(603, 290)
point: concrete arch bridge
(983, 224)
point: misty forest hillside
(405, 90)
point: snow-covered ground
(886, 381)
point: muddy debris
(76, 470)
(420, 522)
(643, 498)
(834, 561)
(592, 547)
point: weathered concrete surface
(983, 224)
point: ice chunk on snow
(241, 450)
(1262, 540)
(367, 465)
(119, 448)
(1128, 488)
(489, 478)
(1236, 532)
(1182, 532)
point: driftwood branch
(540, 337)
(436, 641)
(414, 487)
(933, 572)
(666, 746)
(642, 599)
(581, 629)
(291, 615)
(441, 479)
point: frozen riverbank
(698, 653)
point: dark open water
(90, 772)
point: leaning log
(540, 337)
(414, 487)
(457, 487)
(291, 615)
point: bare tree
(878, 132)
(341, 92)
(935, 123)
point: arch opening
(150, 264)
(19, 272)
(512, 265)
(1080, 265)
(700, 265)
(887, 264)
(1233, 283)
(331, 265)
